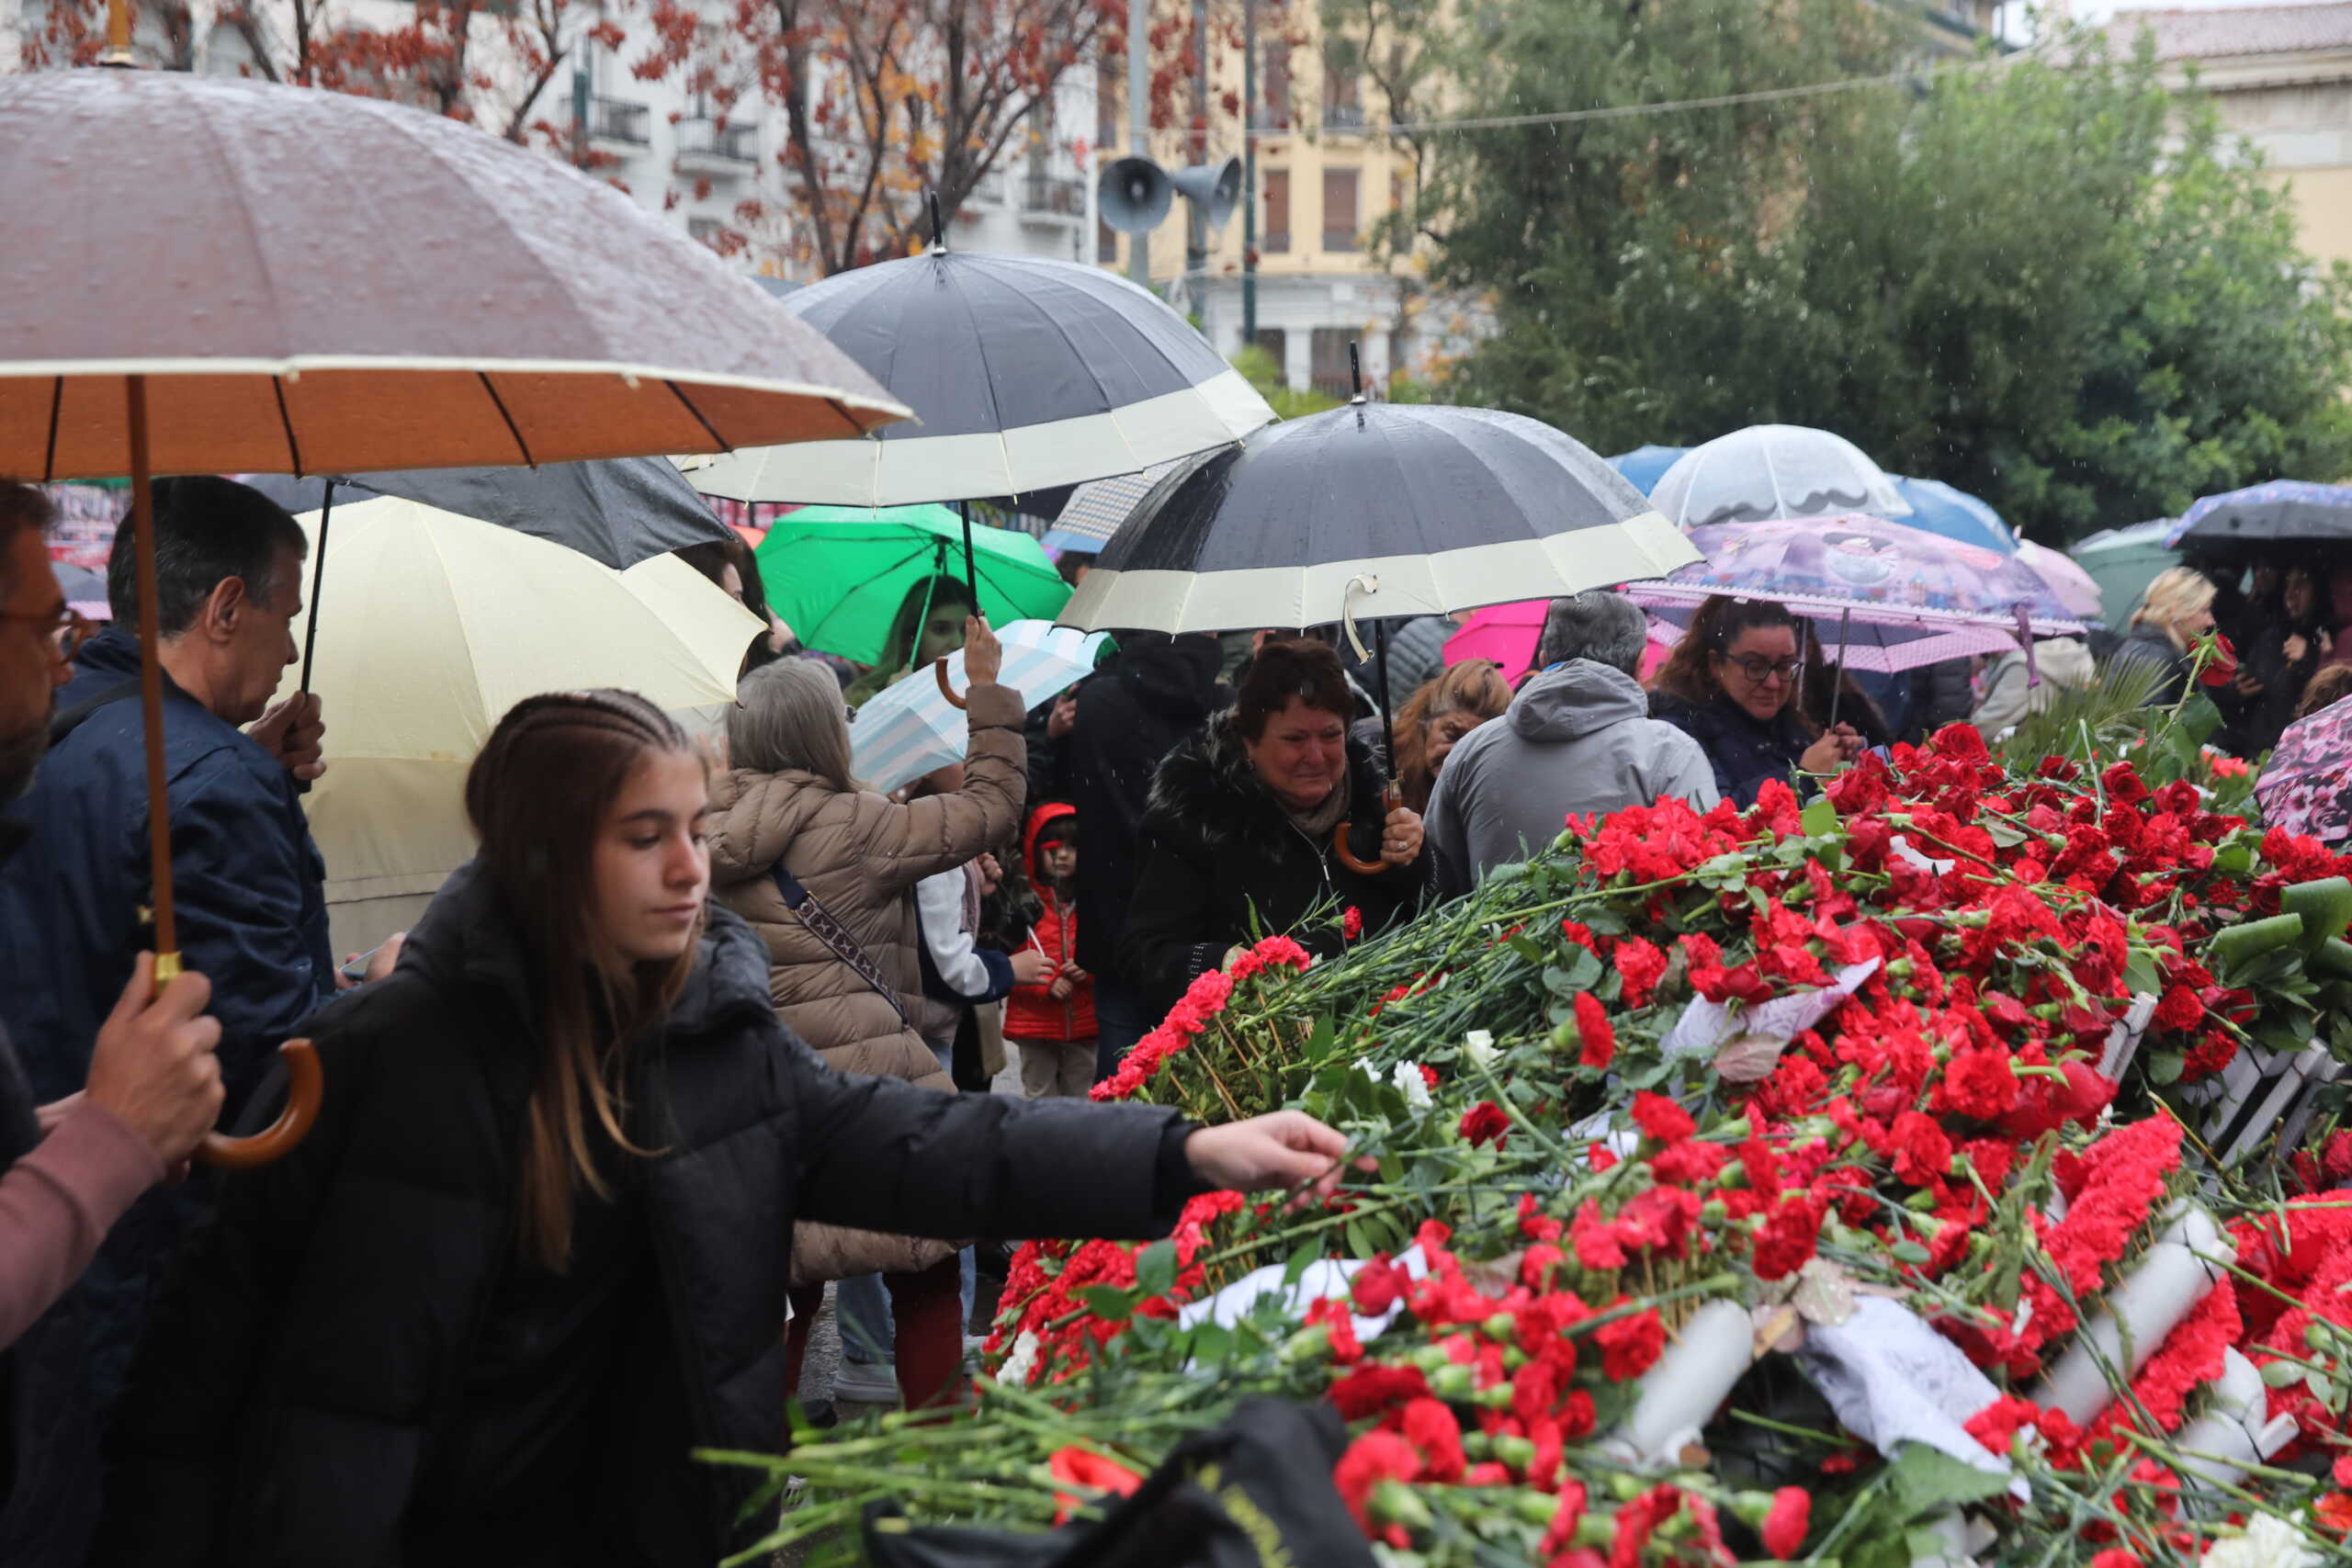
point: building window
(1274, 82)
(1276, 228)
(1327, 361)
(1342, 86)
(1341, 221)
(1276, 343)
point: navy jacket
(252, 919)
(1744, 751)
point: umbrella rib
(293, 447)
(520, 445)
(56, 397)
(679, 392)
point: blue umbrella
(1644, 466)
(1956, 515)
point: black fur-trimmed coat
(1221, 863)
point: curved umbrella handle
(306, 1087)
(1389, 800)
(939, 668)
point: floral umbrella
(2307, 788)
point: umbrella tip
(938, 224)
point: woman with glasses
(1732, 684)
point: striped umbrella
(911, 728)
(1094, 510)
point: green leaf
(1107, 1303)
(2163, 1066)
(1156, 1269)
(1926, 1482)
(1820, 819)
(1212, 1342)
(1909, 1252)
(2141, 973)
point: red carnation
(2179, 1010)
(1922, 1153)
(1785, 1241)
(1431, 1427)
(1660, 1118)
(1596, 1040)
(1978, 1082)
(1371, 1459)
(1370, 1389)
(1629, 1345)
(1378, 1286)
(1483, 1122)
(1352, 923)
(1785, 1527)
(1641, 964)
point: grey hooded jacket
(1578, 739)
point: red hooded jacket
(1032, 1013)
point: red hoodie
(1032, 1013)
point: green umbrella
(843, 576)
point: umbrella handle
(306, 1087)
(1390, 800)
(939, 668)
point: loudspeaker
(1214, 189)
(1135, 195)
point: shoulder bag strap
(837, 938)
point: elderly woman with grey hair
(1577, 738)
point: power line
(1629, 111)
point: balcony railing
(617, 120)
(729, 143)
(1340, 239)
(1276, 242)
(1055, 196)
(1343, 117)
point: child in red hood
(1051, 1019)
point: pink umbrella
(1507, 635)
(2070, 582)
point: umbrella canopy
(1504, 634)
(2307, 786)
(2073, 585)
(1872, 648)
(616, 511)
(839, 575)
(1025, 373)
(2123, 561)
(1095, 508)
(910, 729)
(1371, 510)
(438, 625)
(1867, 573)
(1774, 470)
(2281, 510)
(1644, 466)
(1955, 514)
(526, 313)
(84, 590)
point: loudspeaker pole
(1139, 120)
(1249, 173)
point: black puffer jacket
(1222, 862)
(1745, 751)
(2149, 646)
(1152, 693)
(298, 1381)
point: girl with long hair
(929, 626)
(535, 1251)
(1732, 684)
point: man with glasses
(70, 1169)
(249, 882)
(1578, 739)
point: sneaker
(867, 1383)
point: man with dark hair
(1577, 738)
(69, 1170)
(249, 882)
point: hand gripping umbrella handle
(939, 668)
(1389, 800)
(306, 1085)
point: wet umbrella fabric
(2075, 587)
(839, 575)
(616, 511)
(2280, 510)
(1644, 466)
(1024, 373)
(1095, 508)
(2307, 787)
(1374, 510)
(1955, 514)
(910, 729)
(1774, 470)
(1870, 647)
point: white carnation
(1479, 1046)
(2269, 1542)
(1363, 1066)
(1021, 1365)
(1411, 1084)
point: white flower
(2269, 1542)
(1021, 1365)
(1411, 1084)
(1479, 1046)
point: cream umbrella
(440, 624)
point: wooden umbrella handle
(306, 1085)
(939, 668)
(1389, 801)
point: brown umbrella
(229, 276)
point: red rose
(1790, 1517)
(1631, 1346)
(2220, 670)
(1596, 1039)
(1483, 1122)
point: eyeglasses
(1759, 671)
(66, 626)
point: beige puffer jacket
(860, 855)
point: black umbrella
(1375, 511)
(2282, 510)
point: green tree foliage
(2046, 280)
